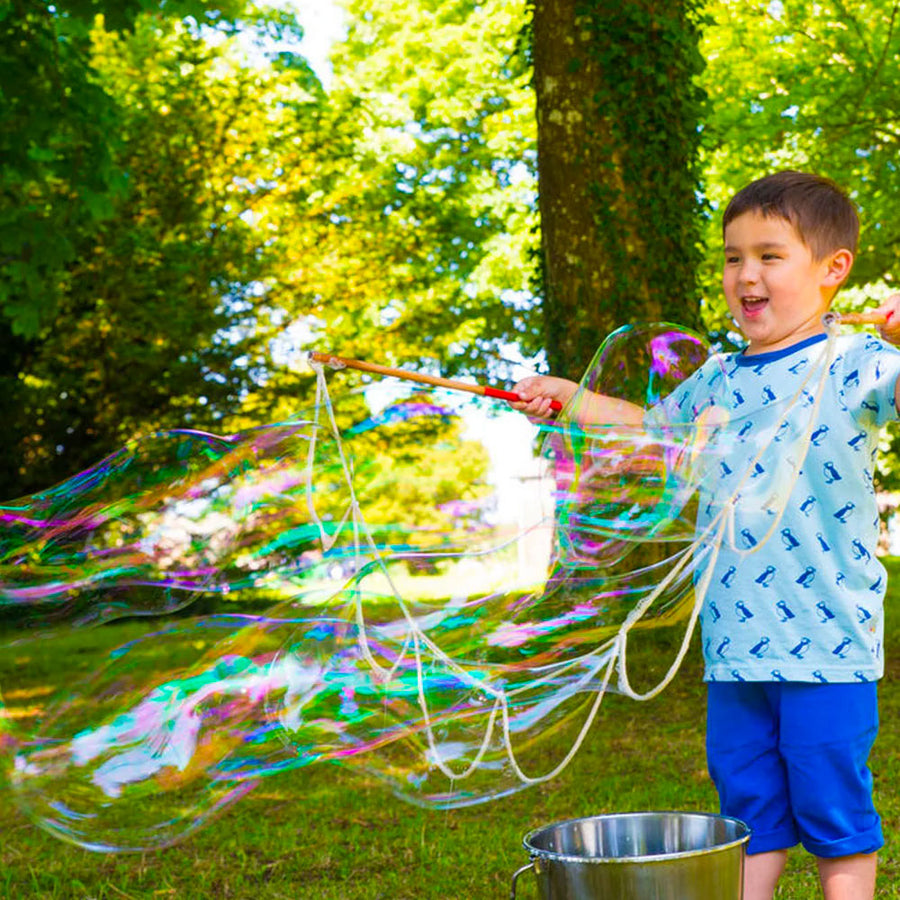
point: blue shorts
(790, 760)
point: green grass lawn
(325, 833)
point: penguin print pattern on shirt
(797, 590)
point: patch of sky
(521, 172)
(286, 348)
(519, 300)
(254, 185)
(390, 314)
(409, 174)
(323, 26)
(445, 175)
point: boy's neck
(812, 327)
(780, 346)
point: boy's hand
(891, 308)
(538, 391)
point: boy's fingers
(537, 408)
(523, 387)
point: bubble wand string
(420, 643)
(339, 362)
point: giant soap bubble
(433, 650)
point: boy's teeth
(753, 302)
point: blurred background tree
(225, 211)
(810, 87)
(619, 110)
(186, 206)
(118, 258)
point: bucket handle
(512, 889)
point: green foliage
(254, 215)
(59, 135)
(400, 223)
(156, 322)
(439, 197)
(795, 85)
(811, 87)
(649, 97)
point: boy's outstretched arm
(538, 391)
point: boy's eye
(770, 256)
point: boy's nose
(748, 274)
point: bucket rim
(536, 852)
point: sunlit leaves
(813, 87)
(157, 320)
(439, 170)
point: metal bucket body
(640, 856)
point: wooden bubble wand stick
(863, 318)
(339, 362)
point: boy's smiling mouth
(753, 305)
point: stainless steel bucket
(639, 856)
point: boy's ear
(839, 264)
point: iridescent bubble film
(321, 591)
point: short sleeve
(868, 376)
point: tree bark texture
(618, 135)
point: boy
(792, 625)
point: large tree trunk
(618, 116)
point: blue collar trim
(759, 359)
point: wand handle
(863, 318)
(331, 359)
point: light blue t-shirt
(796, 592)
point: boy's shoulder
(859, 364)
(864, 353)
(849, 349)
(861, 367)
(863, 342)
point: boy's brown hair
(823, 216)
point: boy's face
(775, 290)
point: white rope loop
(602, 660)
